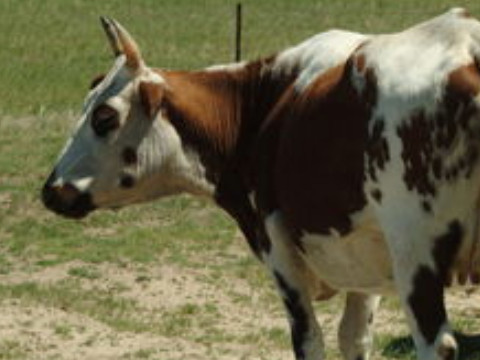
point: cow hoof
(447, 349)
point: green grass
(51, 49)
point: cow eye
(104, 120)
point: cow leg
(422, 297)
(354, 335)
(420, 269)
(291, 277)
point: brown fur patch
(465, 14)
(360, 62)
(320, 170)
(427, 207)
(426, 299)
(417, 153)
(377, 149)
(222, 111)
(426, 138)
(151, 97)
(465, 80)
(377, 195)
(204, 107)
(129, 156)
(219, 113)
(427, 303)
(446, 248)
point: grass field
(172, 279)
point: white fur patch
(318, 54)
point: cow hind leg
(355, 335)
(291, 276)
(307, 339)
(420, 277)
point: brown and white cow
(350, 162)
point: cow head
(124, 148)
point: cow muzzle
(67, 200)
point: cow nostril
(67, 200)
(68, 193)
(59, 195)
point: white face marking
(96, 164)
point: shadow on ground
(402, 347)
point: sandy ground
(32, 331)
(34, 328)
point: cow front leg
(292, 279)
(421, 266)
(422, 297)
(355, 331)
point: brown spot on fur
(465, 13)
(426, 300)
(465, 80)
(427, 207)
(426, 139)
(459, 105)
(129, 156)
(370, 92)
(320, 183)
(446, 248)
(417, 153)
(377, 195)
(151, 97)
(360, 62)
(377, 149)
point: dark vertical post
(238, 33)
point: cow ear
(151, 97)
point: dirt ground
(32, 330)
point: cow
(350, 163)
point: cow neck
(218, 112)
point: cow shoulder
(319, 172)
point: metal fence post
(238, 32)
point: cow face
(124, 149)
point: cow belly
(359, 261)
